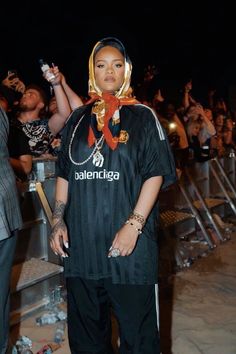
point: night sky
(183, 39)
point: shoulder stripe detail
(158, 124)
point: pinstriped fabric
(158, 124)
(100, 199)
(10, 216)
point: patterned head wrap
(106, 106)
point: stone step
(31, 272)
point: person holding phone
(31, 132)
(12, 81)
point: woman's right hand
(59, 238)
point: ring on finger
(115, 252)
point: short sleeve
(158, 159)
(63, 165)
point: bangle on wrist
(56, 84)
(138, 217)
(139, 231)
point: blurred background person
(31, 132)
(10, 222)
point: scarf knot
(105, 108)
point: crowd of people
(197, 130)
(115, 152)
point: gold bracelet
(138, 217)
(139, 231)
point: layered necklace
(98, 158)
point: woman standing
(10, 222)
(114, 160)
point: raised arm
(74, 100)
(210, 128)
(187, 99)
(58, 119)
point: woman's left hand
(124, 241)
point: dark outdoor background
(184, 40)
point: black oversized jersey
(100, 198)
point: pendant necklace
(98, 158)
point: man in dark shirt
(30, 134)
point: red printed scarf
(112, 103)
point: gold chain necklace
(98, 158)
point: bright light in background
(172, 126)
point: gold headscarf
(106, 106)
